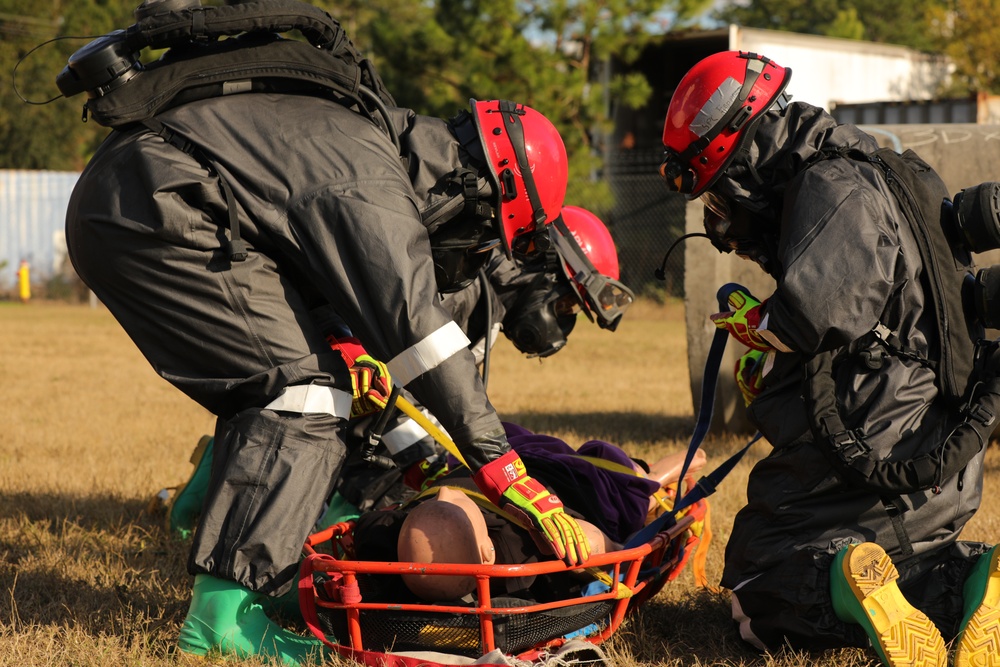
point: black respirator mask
(542, 317)
(460, 248)
(735, 229)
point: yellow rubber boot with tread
(978, 643)
(864, 591)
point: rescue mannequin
(611, 496)
(450, 528)
(850, 534)
(536, 302)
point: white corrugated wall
(32, 221)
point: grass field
(90, 433)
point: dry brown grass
(90, 433)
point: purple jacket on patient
(616, 502)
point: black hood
(787, 141)
(433, 156)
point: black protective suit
(333, 215)
(846, 261)
(378, 483)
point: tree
(884, 21)
(435, 56)
(968, 32)
(48, 136)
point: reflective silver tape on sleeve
(427, 354)
(407, 433)
(313, 399)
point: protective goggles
(604, 299)
(678, 178)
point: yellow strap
(610, 465)
(416, 415)
(701, 554)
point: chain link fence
(644, 221)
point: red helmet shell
(530, 190)
(707, 94)
(593, 238)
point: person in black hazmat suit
(535, 303)
(850, 531)
(211, 225)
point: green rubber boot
(978, 643)
(339, 509)
(864, 591)
(185, 505)
(228, 619)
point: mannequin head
(448, 528)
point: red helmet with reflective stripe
(712, 112)
(527, 164)
(593, 238)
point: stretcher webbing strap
(701, 553)
(442, 439)
(706, 485)
(605, 464)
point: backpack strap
(851, 455)
(236, 248)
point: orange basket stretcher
(381, 634)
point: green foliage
(548, 54)
(846, 25)
(49, 136)
(884, 21)
(434, 55)
(968, 31)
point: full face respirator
(542, 317)
(460, 249)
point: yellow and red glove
(422, 473)
(750, 374)
(371, 383)
(743, 320)
(506, 483)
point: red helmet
(593, 238)
(527, 164)
(590, 262)
(712, 111)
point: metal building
(32, 221)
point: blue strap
(707, 484)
